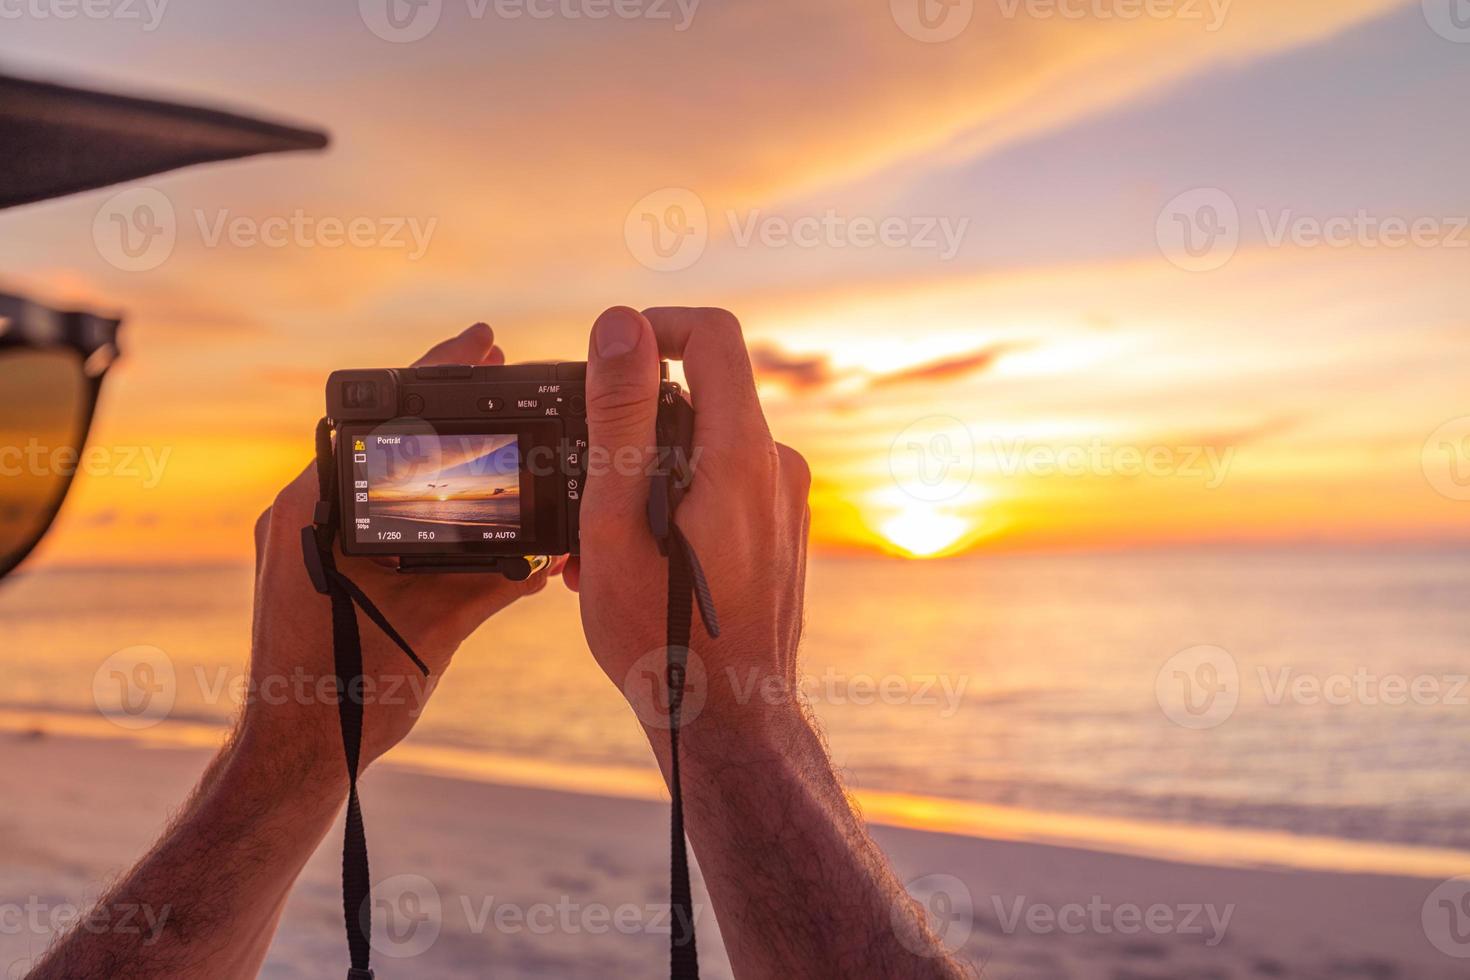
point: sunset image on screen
(442, 482)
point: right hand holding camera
(745, 515)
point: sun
(924, 531)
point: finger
(571, 574)
(622, 408)
(262, 533)
(795, 472)
(721, 381)
(468, 600)
(470, 347)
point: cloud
(1228, 441)
(797, 371)
(1263, 431)
(811, 372)
(521, 209)
(945, 369)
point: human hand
(292, 699)
(759, 790)
(745, 514)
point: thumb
(622, 411)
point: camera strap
(347, 598)
(687, 586)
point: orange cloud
(798, 371)
(947, 369)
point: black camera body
(475, 467)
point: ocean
(1313, 691)
(491, 510)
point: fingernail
(473, 327)
(616, 332)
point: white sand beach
(514, 881)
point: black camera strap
(347, 598)
(687, 587)
(683, 957)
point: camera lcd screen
(437, 488)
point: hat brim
(56, 140)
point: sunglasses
(51, 367)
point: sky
(1017, 274)
(463, 467)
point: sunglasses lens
(43, 406)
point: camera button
(413, 405)
(491, 404)
(574, 458)
(576, 406)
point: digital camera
(474, 468)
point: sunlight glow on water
(1013, 681)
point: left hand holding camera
(292, 700)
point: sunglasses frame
(28, 325)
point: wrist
(734, 737)
(290, 773)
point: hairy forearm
(799, 887)
(206, 899)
